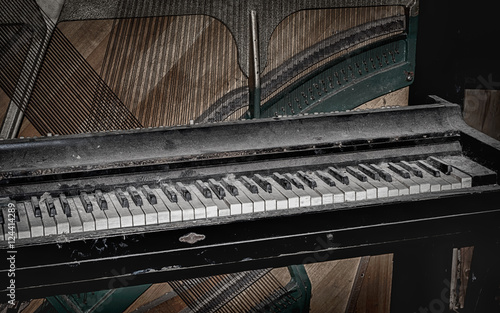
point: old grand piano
(265, 175)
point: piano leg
(421, 279)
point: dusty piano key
(209, 207)
(262, 200)
(186, 208)
(65, 204)
(338, 175)
(75, 223)
(230, 186)
(149, 211)
(232, 202)
(361, 180)
(307, 179)
(217, 188)
(453, 181)
(365, 169)
(440, 165)
(429, 168)
(381, 187)
(324, 177)
(413, 169)
(169, 192)
(220, 207)
(36, 206)
(402, 190)
(464, 179)
(294, 180)
(326, 192)
(101, 222)
(87, 205)
(200, 211)
(204, 189)
(304, 196)
(352, 172)
(22, 226)
(122, 199)
(338, 193)
(162, 210)
(412, 186)
(123, 212)
(248, 198)
(100, 200)
(292, 198)
(314, 196)
(49, 203)
(61, 219)
(282, 181)
(134, 195)
(272, 195)
(184, 192)
(49, 224)
(349, 193)
(263, 183)
(437, 183)
(479, 174)
(399, 170)
(149, 194)
(174, 209)
(87, 219)
(35, 223)
(111, 213)
(138, 217)
(359, 192)
(385, 175)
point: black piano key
(368, 171)
(121, 198)
(65, 204)
(307, 179)
(36, 207)
(338, 174)
(429, 168)
(354, 172)
(134, 194)
(149, 194)
(217, 188)
(2, 219)
(399, 170)
(411, 168)
(280, 179)
(50, 205)
(169, 192)
(263, 183)
(183, 191)
(249, 184)
(295, 181)
(233, 190)
(101, 202)
(440, 165)
(385, 175)
(205, 191)
(324, 177)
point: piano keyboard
(178, 202)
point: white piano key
(111, 213)
(304, 196)
(380, 186)
(87, 219)
(314, 197)
(138, 217)
(208, 203)
(257, 202)
(149, 211)
(174, 209)
(326, 192)
(339, 195)
(454, 182)
(161, 209)
(123, 212)
(437, 184)
(23, 227)
(75, 223)
(349, 193)
(413, 187)
(187, 211)
(222, 207)
(233, 203)
(292, 198)
(101, 221)
(62, 222)
(198, 207)
(465, 179)
(49, 224)
(36, 225)
(281, 201)
(361, 191)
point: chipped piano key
(134, 195)
(230, 186)
(399, 170)
(440, 165)
(36, 206)
(205, 191)
(282, 181)
(413, 169)
(169, 192)
(325, 178)
(65, 205)
(383, 174)
(249, 184)
(148, 193)
(87, 205)
(368, 171)
(101, 202)
(429, 168)
(263, 183)
(217, 188)
(339, 175)
(356, 174)
(307, 179)
(184, 192)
